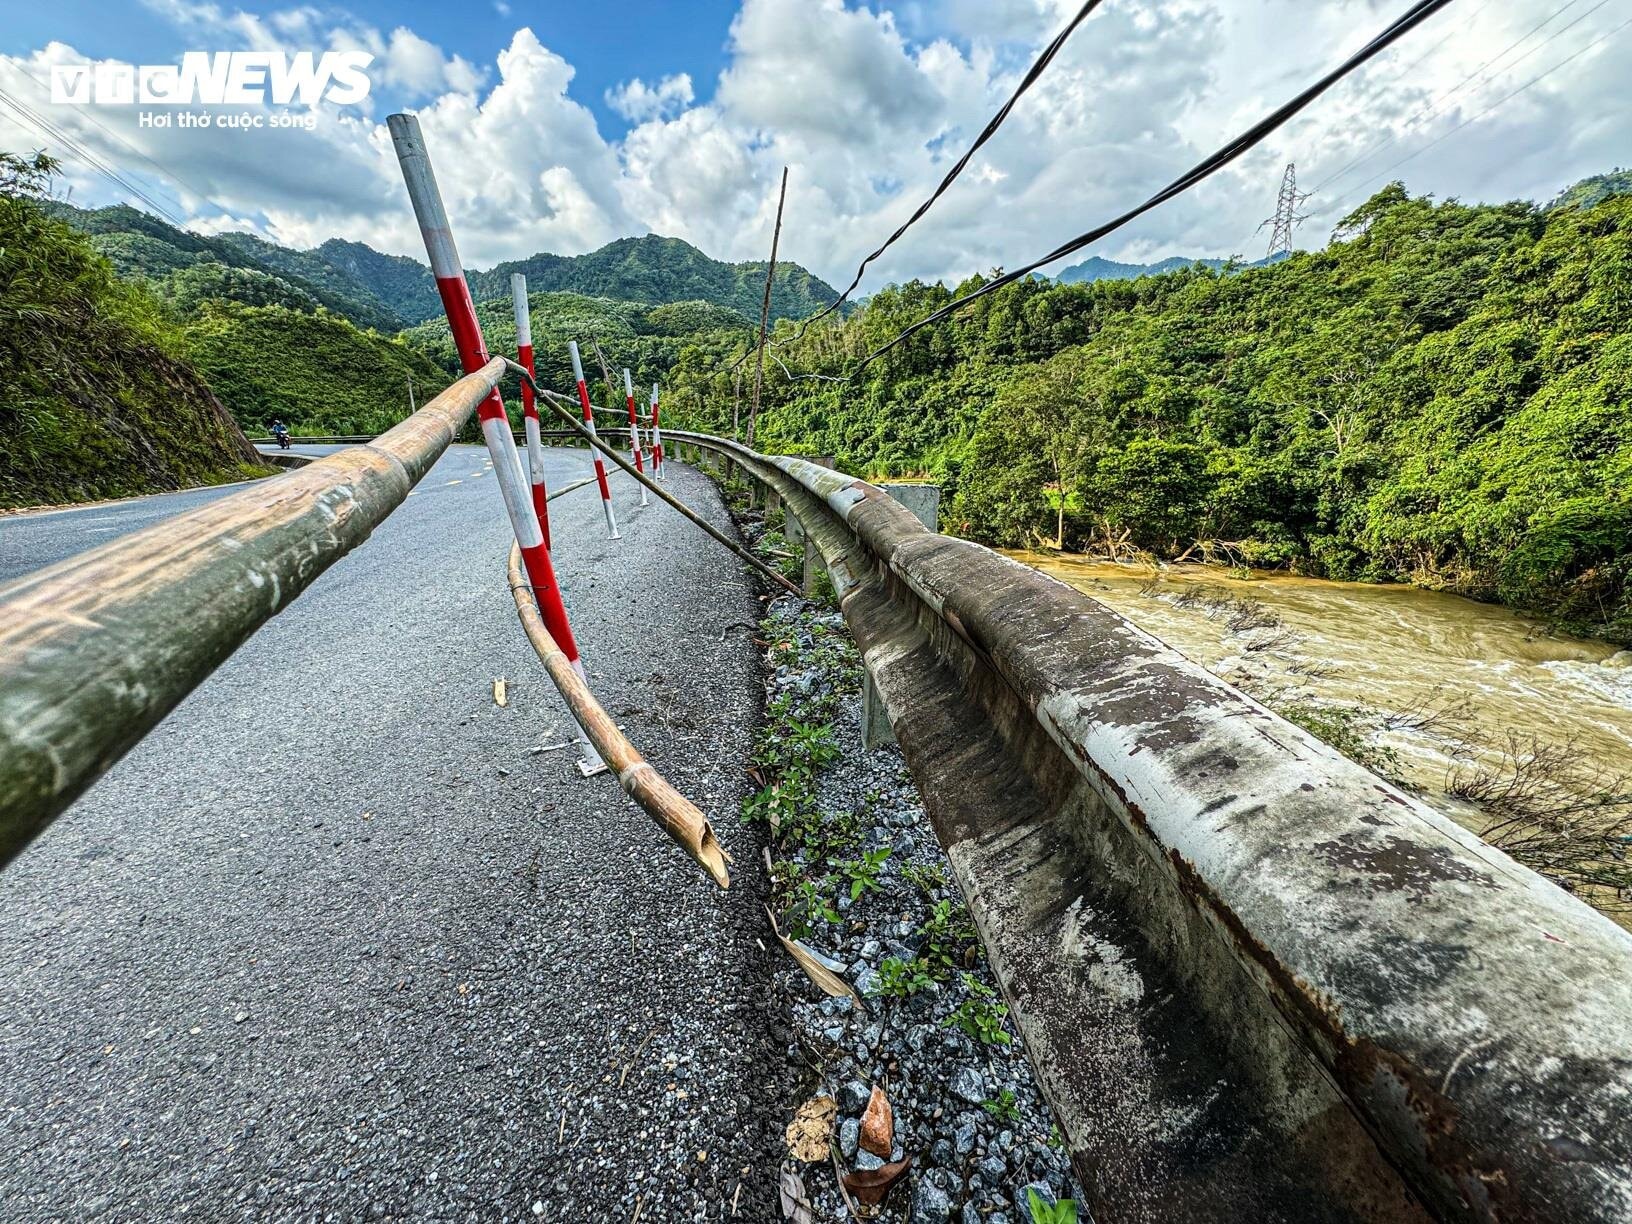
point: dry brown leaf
(817, 972)
(878, 1125)
(795, 1201)
(812, 1129)
(871, 1186)
(499, 697)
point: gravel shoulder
(859, 876)
(336, 943)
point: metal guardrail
(1256, 981)
(96, 649)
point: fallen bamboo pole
(674, 813)
(555, 401)
(96, 649)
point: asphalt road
(335, 942)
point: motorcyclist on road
(280, 431)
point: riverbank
(1502, 724)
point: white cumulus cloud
(869, 106)
(639, 101)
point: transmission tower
(1287, 217)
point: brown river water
(1391, 650)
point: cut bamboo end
(676, 815)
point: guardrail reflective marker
(529, 405)
(589, 420)
(634, 430)
(657, 439)
(467, 339)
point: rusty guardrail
(1256, 981)
(96, 649)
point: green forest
(1440, 396)
(98, 396)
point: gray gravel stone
(930, 1205)
(967, 1085)
(849, 1137)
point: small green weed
(980, 1016)
(863, 872)
(902, 978)
(1002, 1106)
(1044, 1212)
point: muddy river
(1397, 655)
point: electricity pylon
(1287, 217)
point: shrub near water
(1443, 395)
(97, 399)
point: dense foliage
(96, 397)
(1439, 396)
(647, 339)
(315, 371)
(388, 292)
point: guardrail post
(467, 338)
(657, 439)
(924, 500)
(634, 432)
(529, 408)
(589, 420)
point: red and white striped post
(467, 339)
(634, 431)
(529, 406)
(657, 440)
(589, 420)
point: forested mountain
(390, 292)
(1098, 268)
(661, 270)
(1439, 396)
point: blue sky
(607, 43)
(866, 101)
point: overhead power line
(1505, 98)
(1439, 103)
(986, 133)
(28, 117)
(1401, 26)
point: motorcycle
(283, 439)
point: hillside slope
(97, 399)
(390, 292)
(1443, 396)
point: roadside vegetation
(1440, 396)
(97, 396)
(923, 1104)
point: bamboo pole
(674, 813)
(555, 401)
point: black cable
(1413, 17)
(995, 122)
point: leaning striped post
(634, 430)
(529, 406)
(467, 338)
(657, 440)
(589, 420)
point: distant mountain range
(1098, 269)
(391, 292)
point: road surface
(337, 942)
